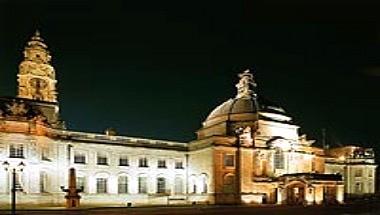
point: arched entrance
(295, 193)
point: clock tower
(36, 77)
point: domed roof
(246, 100)
(245, 105)
(232, 106)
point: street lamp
(13, 170)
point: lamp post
(13, 170)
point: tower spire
(246, 86)
(37, 33)
(36, 77)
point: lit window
(123, 184)
(358, 173)
(19, 181)
(178, 185)
(192, 185)
(178, 164)
(161, 164)
(370, 173)
(142, 185)
(143, 162)
(16, 151)
(358, 187)
(370, 187)
(123, 161)
(45, 154)
(81, 183)
(161, 185)
(204, 183)
(279, 159)
(101, 185)
(102, 159)
(79, 157)
(43, 182)
(229, 160)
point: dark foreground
(359, 209)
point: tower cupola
(36, 77)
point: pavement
(370, 208)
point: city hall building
(247, 151)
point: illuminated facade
(247, 151)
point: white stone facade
(247, 151)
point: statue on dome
(246, 85)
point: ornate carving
(246, 137)
(246, 85)
(17, 109)
(40, 118)
(36, 76)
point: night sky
(157, 70)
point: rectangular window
(101, 185)
(179, 165)
(16, 151)
(358, 173)
(370, 173)
(161, 164)
(79, 158)
(81, 183)
(143, 162)
(229, 160)
(43, 182)
(102, 159)
(123, 161)
(358, 187)
(142, 185)
(19, 181)
(279, 159)
(313, 165)
(45, 153)
(370, 187)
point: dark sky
(157, 70)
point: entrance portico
(310, 188)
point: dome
(245, 105)
(246, 101)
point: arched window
(43, 181)
(203, 183)
(178, 185)
(279, 159)
(192, 184)
(142, 184)
(123, 184)
(370, 187)
(102, 182)
(229, 183)
(81, 183)
(161, 185)
(358, 187)
(101, 185)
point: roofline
(118, 140)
